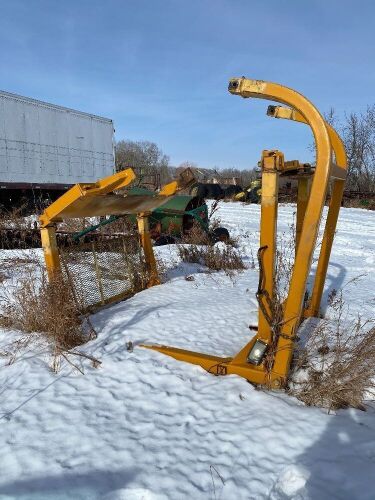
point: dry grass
(14, 218)
(77, 224)
(367, 203)
(198, 248)
(45, 307)
(220, 257)
(55, 313)
(17, 231)
(196, 236)
(47, 310)
(335, 367)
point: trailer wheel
(165, 240)
(220, 234)
(199, 190)
(214, 191)
(231, 191)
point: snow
(145, 426)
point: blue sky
(160, 68)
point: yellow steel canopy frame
(278, 339)
(98, 199)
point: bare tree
(244, 176)
(359, 138)
(358, 133)
(146, 158)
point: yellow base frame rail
(266, 358)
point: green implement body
(173, 219)
(177, 215)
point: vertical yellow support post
(143, 228)
(330, 227)
(271, 164)
(302, 199)
(51, 252)
(325, 251)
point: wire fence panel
(105, 269)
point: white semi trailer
(46, 148)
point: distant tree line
(150, 163)
(356, 129)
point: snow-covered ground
(145, 426)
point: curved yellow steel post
(334, 207)
(294, 302)
(303, 192)
(292, 310)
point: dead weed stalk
(335, 367)
(46, 311)
(198, 247)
